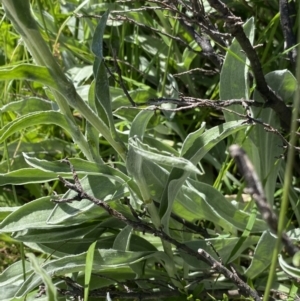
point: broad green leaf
(29, 175)
(83, 211)
(205, 202)
(148, 153)
(18, 163)
(32, 215)
(55, 234)
(51, 146)
(102, 93)
(296, 259)
(14, 274)
(76, 263)
(195, 153)
(139, 124)
(233, 77)
(191, 139)
(134, 160)
(29, 72)
(163, 147)
(122, 240)
(206, 141)
(12, 278)
(103, 100)
(88, 269)
(29, 105)
(38, 118)
(91, 133)
(289, 269)
(74, 246)
(81, 166)
(156, 178)
(108, 276)
(262, 255)
(284, 84)
(51, 291)
(97, 44)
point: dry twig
(254, 187)
(274, 101)
(148, 228)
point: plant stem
(287, 178)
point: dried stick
(287, 28)
(148, 228)
(256, 190)
(234, 24)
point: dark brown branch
(234, 25)
(201, 70)
(254, 187)
(185, 101)
(204, 43)
(286, 25)
(200, 19)
(148, 228)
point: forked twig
(148, 228)
(254, 187)
(234, 25)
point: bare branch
(234, 25)
(148, 228)
(287, 28)
(254, 187)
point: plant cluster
(121, 123)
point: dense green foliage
(122, 90)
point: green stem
(287, 179)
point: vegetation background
(145, 99)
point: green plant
(131, 225)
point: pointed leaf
(289, 269)
(51, 291)
(261, 259)
(97, 44)
(196, 152)
(233, 77)
(29, 72)
(37, 118)
(122, 240)
(32, 215)
(29, 105)
(146, 153)
(140, 123)
(88, 269)
(76, 263)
